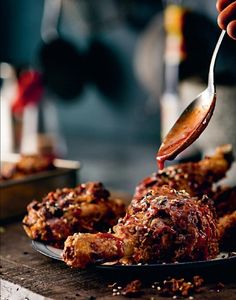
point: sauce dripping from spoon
(193, 120)
(187, 129)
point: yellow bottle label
(173, 24)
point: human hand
(227, 16)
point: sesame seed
(112, 285)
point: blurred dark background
(108, 114)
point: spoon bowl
(193, 120)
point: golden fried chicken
(86, 208)
(227, 231)
(163, 222)
(224, 200)
(196, 178)
(164, 226)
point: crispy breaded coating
(169, 219)
(227, 231)
(196, 178)
(86, 208)
(164, 226)
(83, 249)
(224, 200)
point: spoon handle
(213, 59)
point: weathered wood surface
(27, 274)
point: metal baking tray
(16, 194)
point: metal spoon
(193, 120)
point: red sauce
(160, 163)
(185, 131)
(118, 241)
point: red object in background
(30, 90)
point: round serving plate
(223, 259)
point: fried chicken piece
(82, 249)
(28, 164)
(86, 208)
(225, 205)
(224, 200)
(164, 226)
(227, 231)
(196, 178)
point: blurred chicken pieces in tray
(24, 177)
(26, 165)
(171, 218)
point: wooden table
(28, 275)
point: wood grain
(39, 277)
